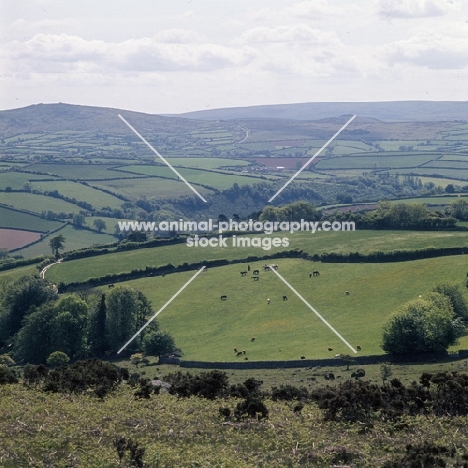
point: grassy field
(74, 239)
(37, 203)
(15, 219)
(320, 242)
(208, 163)
(209, 329)
(376, 160)
(457, 174)
(79, 171)
(437, 200)
(10, 276)
(16, 180)
(80, 192)
(133, 188)
(215, 180)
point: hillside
(386, 111)
(44, 118)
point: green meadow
(20, 220)
(80, 192)
(74, 239)
(320, 242)
(37, 203)
(208, 328)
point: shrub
(289, 393)
(57, 358)
(252, 407)
(7, 376)
(157, 343)
(208, 385)
(82, 376)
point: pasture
(74, 239)
(207, 328)
(215, 180)
(37, 203)
(318, 243)
(19, 220)
(377, 161)
(80, 192)
(16, 180)
(133, 188)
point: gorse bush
(92, 375)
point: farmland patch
(14, 239)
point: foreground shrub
(92, 375)
(289, 393)
(426, 454)
(209, 385)
(7, 376)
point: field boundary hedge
(335, 362)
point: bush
(252, 407)
(289, 393)
(208, 385)
(6, 360)
(82, 376)
(7, 376)
(57, 358)
(157, 343)
(421, 325)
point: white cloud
(432, 51)
(52, 52)
(181, 36)
(294, 33)
(414, 8)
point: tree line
(36, 322)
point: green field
(16, 180)
(457, 174)
(437, 200)
(207, 328)
(9, 276)
(134, 188)
(376, 161)
(208, 163)
(74, 239)
(79, 171)
(320, 242)
(37, 203)
(80, 192)
(18, 220)
(216, 180)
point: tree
(459, 210)
(126, 311)
(54, 326)
(157, 343)
(421, 325)
(57, 358)
(19, 298)
(99, 224)
(97, 328)
(457, 298)
(69, 325)
(56, 244)
(79, 220)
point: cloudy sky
(172, 56)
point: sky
(174, 56)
